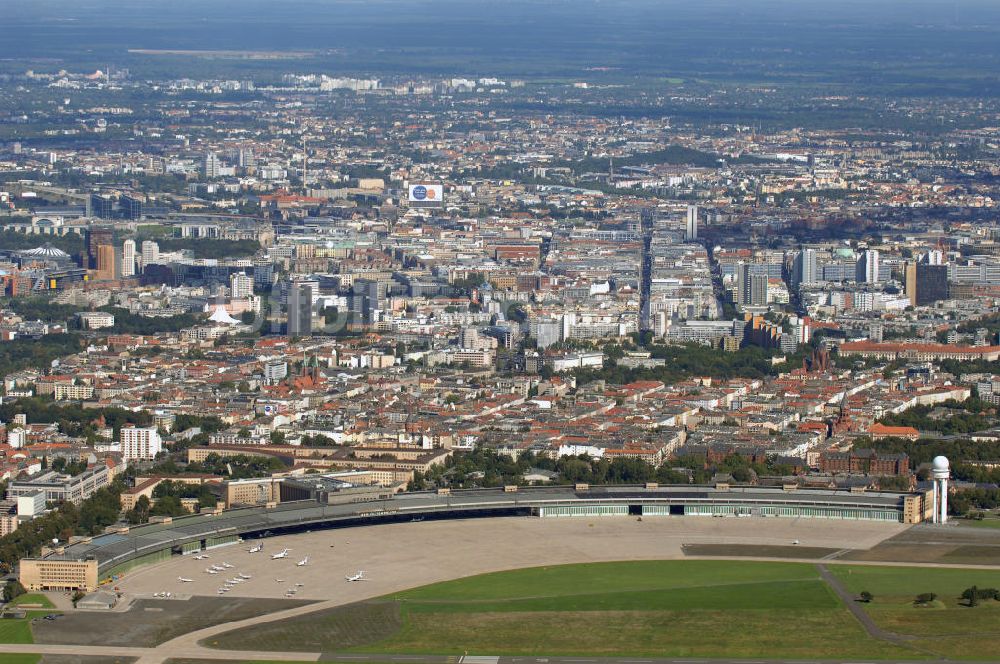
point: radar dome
(940, 463)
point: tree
(12, 590)
(925, 598)
(971, 596)
(866, 596)
(77, 596)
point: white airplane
(303, 562)
(184, 580)
(210, 571)
(360, 576)
(299, 585)
(218, 568)
(280, 580)
(228, 566)
(256, 549)
(201, 557)
(245, 576)
(281, 554)
(795, 542)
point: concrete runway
(401, 556)
(397, 557)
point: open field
(957, 544)
(633, 608)
(33, 600)
(431, 551)
(151, 622)
(15, 631)
(84, 659)
(947, 628)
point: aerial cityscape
(519, 332)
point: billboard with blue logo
(426, 194)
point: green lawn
(611, 609)
(985, 523)
(15, 631)
(948, 628)
(686, 608)
(33, 598)
(21, 658)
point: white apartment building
(140, 443)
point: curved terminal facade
(87, 562)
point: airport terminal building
(87, 562)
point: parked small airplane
(280, 580)
(256, 549)
(201, 557)
(209, 570)
(303, 562)
(360, 576)
(281, 554)
(228, 566)
(184, 580)
(245, 576)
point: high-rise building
(97, 236)
(691, 231)
(131, 207)
(299, 310)
(751, 287)
(926, 284)
(804, 268)
(106, 263)
(102, 206)
(368, 297)
(211, 165)
(468, 337)
(128, 259)
(140, 443)
(150, 253)
(866, 269)
(240, 285)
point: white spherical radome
(940, 463)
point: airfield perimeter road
(401, 556)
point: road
(156, 655)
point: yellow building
(58, 574)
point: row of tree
(91, 517)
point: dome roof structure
(46, 251)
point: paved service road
(243, 656)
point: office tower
(150, 253)
(128, 259)
(691, 233)
(299, 310)
(131, 207)
(751, 287)
(926, 284)
(101, 206)
(804, 268)
(866, 269)
(106, 263)
(245, 158)
(140, 443)
(211, 165)
(468, 338)
(368, 297)
(240, 285)
(96, 237)
(934, 257)
(876, 331)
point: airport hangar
(87, 562)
